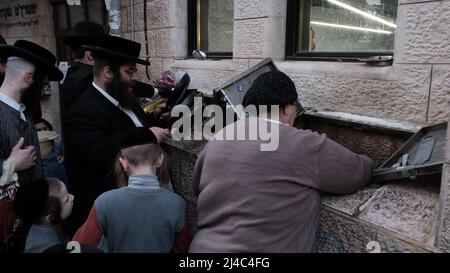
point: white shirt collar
(12, 103)
(106, 95)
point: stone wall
(33, 20)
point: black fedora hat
(36, 54)
(116, 48)
(84, 33)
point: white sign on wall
(63, 66)
(74, 2)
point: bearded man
(103, 119)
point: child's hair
(33, 202)
(46, 122)
(146, 154)
(37, 199)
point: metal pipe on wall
(132, 20)
(113, 8)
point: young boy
(142, 216)
(43, 204)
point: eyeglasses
(131, 71)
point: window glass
(210, 27)
(220, 26)
(347, 25)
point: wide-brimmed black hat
(36, 54)
(84, 33)
(116, 48)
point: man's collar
(10, 102)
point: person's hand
(160, 133)
(160, 108)
(165, 117)
(24, 158)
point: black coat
(79, 78)
(95, 131)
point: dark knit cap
(137, 136)
(31, 200)
(271, 88)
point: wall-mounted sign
(17, 10)
(18, 15)
(74, 2)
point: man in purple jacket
(250, 200)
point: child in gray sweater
(141, 216)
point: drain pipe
(132, 20)
(113, 8)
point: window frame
(197, 35)
(63, 53)
(293, 20)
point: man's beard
(122, 93)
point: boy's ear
(48, 219)
(283, 110)
(159, 161)
(124, 163)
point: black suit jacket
(95, 131)
(78, 79)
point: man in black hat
(79, 76)
(24, 60)
(101, 120)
